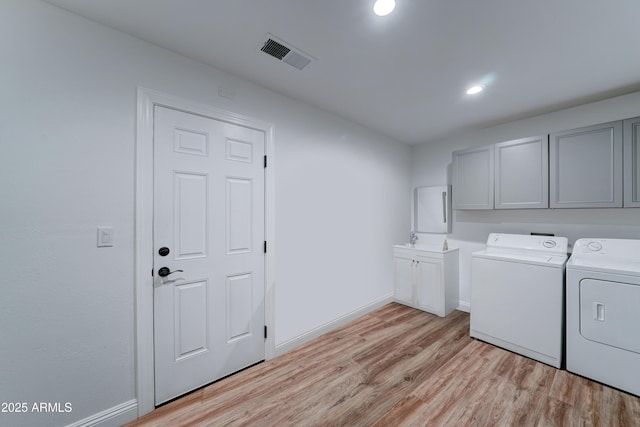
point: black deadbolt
(164, 251)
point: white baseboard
(464, 306)
(112, 417)
(328, 327)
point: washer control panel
(523, 242)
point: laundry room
(432, 165)
(212, 212)
(556, 282)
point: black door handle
(164, 272)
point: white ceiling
(405, 75)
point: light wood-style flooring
(400, 367)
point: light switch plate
(105, 236)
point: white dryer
(603, 312)
(517, 295)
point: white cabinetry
(586, 167)
(426, 278)
(632, 163)
(472, 178)
(522, 173)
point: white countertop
(425, 248)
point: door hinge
(265, 332)
(152, 272)
(265, 246)
(265, 161)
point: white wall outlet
(105, 236)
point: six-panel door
(209, 214)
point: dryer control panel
(594, 246)
(613, 254)
(615, 248)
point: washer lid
(523, 257)
(621, 255)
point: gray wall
(67, 140)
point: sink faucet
(413, 238)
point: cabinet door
(472, 178)
(632, 163)
(586, 167)
(522, 173)
(430, 286)
(404, 272)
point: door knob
(164, 272)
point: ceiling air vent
(286, 53)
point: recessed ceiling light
(384, 7)
(475, 89)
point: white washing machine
(603, 312)
(517, 295)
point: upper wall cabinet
(522, 173)
(586, 167)
(632, 163)
(472, 178)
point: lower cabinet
(426, 278)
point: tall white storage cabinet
(522, 173)
(586, 167)
(632, 163)
(426, 278)
(472, 179)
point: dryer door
(610, 313)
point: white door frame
(143, 244)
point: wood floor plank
(398, 366)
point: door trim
(143, 244)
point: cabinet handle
(444, 207)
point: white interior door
(209, 217)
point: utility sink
(423, 247)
